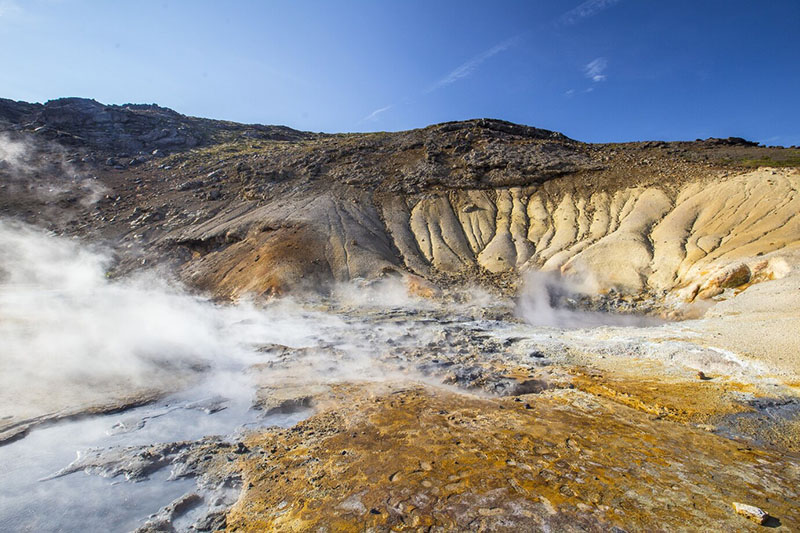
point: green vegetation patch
(789, 158)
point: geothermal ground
(476, 326)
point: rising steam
(61, 319)
(542, 303)
(71, 335)
(45, 172)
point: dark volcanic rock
(128, 128)
(730, 141)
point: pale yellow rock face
(635, 239)
(680, 244)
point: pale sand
(762, 322)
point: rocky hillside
(129, 128)
(264, 209)
(464, 409)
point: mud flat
(411, 458)
(575, 430)
(440, 415)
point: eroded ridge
(693, 242)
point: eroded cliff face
(633, 239)
(685, 243)
(267, 210)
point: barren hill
(266, 209)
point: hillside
(478, 198)
(470, 325)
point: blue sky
(597, 70)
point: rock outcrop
(266, 210)
(693, 242)
(128, 128)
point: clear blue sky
(597, 70)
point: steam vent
(473, 326)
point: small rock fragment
(751, 512)
(241, 448)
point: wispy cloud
(466, 69)
(585, 10)
(9, 7)
(595, 69)
(374, 115)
